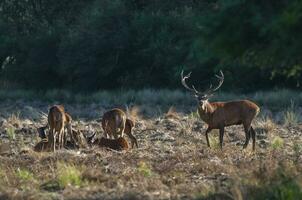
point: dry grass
(172, 161)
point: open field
(172, 161)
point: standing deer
(115, 124)
(57, 120)
(218, 115)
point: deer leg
(54, 141)
(207, 137)
(65, 139)
(221, 133)
(119, 133)
(253, 137)
(247, 129)
(62, 138)
(133, 140)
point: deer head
(202, 96)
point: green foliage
(69, 175)
(285, 189)
(214, 141)
(144, 169)
(277, 143)
(11, 133)
(88, 45)
(24, 175)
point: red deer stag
(218, 115)
(115, 124)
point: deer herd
(115, 124)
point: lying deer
(115, 124)
(218, 115)
(116, 144)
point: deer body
(116, 144)
(115, 124)
(56, 122)
(218, 115)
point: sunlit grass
(69, 175)
(277, 143)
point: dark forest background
(89, 45)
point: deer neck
(205, 110)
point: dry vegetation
(172, 161)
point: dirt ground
(172, 161)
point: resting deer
(116, 144)
(218, 115)
(57, 119)
(115, 124)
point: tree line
(89, 45)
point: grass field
(172, 161)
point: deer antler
(211, 89)
(183, 81)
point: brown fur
(68, 127)
(221, 114)
(128, 131)
(116, 144)
(56, 122)
(115, 124)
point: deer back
(231, 113)
(56, 117)
(114, 121)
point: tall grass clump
(24, 175)
(69, 175)
(277, 143)
(144, 169)
(11, 133)
(214, 142)
(291, 116)
(286, 188)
